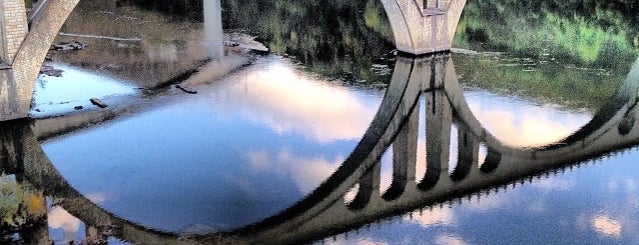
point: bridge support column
(13, 28)
(467, 152)
(404, 156)
(423, 26)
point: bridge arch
(324, 207)
(423, 26)
(27, 62)
(408, 82)
(315, 214)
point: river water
(260, 139)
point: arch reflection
(324, 212)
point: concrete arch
(34, 48)
(317, 214)
(34, 167)
(607, 119)
(323, 212)
(311, 216)
(423, 26)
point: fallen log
(98, 102)
(186, 90)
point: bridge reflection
(329, 209)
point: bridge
(419, 26)
(24, 47)
(326, 211)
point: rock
(241, 40)
(231, 44)
(98, 102)
(78, 107)
(50, 71)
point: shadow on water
(332, 208)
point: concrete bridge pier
(13, 28)
(23, 47)
(423, 26)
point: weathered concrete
(13, 28)
(9, 108)
(33, 47)
(423, 27)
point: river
(266, 129)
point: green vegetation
(332, 38)
(17, 205)
(594, 34)
(548, 82)
(11, 197)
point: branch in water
(135, 39)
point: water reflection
(532, 126)
(213, 28)
(146, 47)
(422, 91)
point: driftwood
(186, 90)
(98, 102)
(64, 46)
(133, 39)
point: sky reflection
(288, 101)
(225, 157)
(593, 204)
(256, 142)
(59, 220)
(56, 95)
(521, 123)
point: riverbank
(121, 53)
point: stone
(50, 71)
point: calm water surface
(239, 151)
(255, 142)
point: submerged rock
(50, 71)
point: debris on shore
(64, 46)
(50, 71)
(98, 103)
(243, 41)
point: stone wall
(13, 29)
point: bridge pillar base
(13, 28)
(10, 106)
(420, 29)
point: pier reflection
(351, 197)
